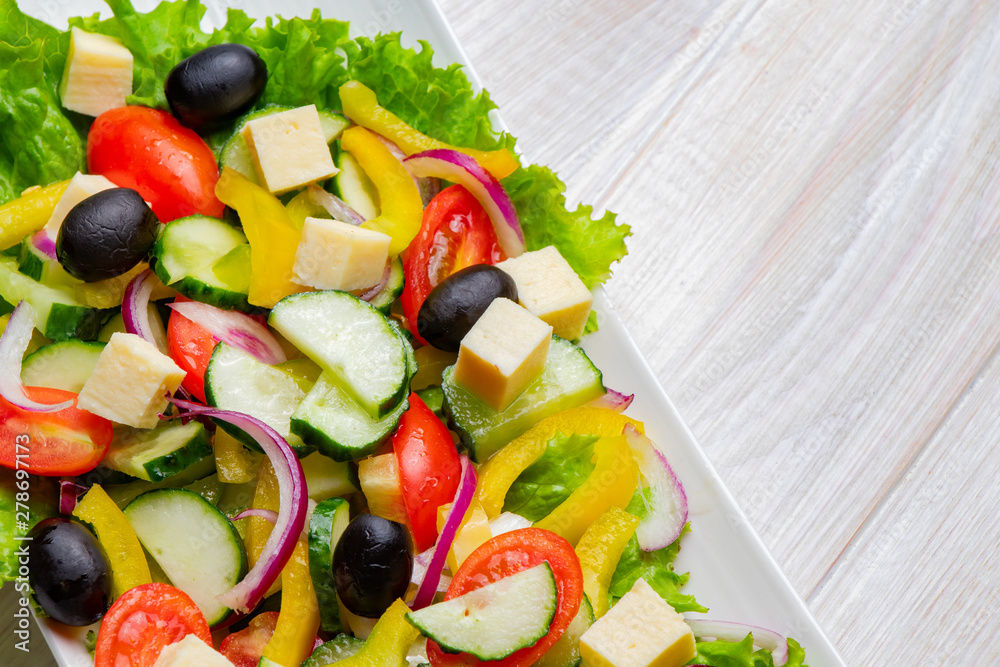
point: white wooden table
(814, 271)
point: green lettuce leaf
(550, 480)
(657, 568)
(741, 654)
(39, 499)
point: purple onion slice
(234, 329)
(666, 502)
(13, 343)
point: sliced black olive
(106, 234)
(215, 86)
(68, 572)
(372, 564)
(456, 304)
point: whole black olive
(68, 572)
(106, 234)
(216, 85)
(372, 564)
(456, 304)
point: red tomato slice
(245, 647)
(507, 554)
(149, 151)
(67, 442)
(143, 621)
(455, 233)
(190, 346)
(429, 469)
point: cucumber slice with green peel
(62, 365)
(59, 315)
(193, 542)
(493, 621)
(354, 186)
(42, 268)
(114, 325)
(156, 454)
(339, 648)
(433, 398)
(236, 381)
(569, 379)
(566, 651)
(352, 342)
(198, 257)
(326, 525)
(329, 420)
(393, 288)
(124, 493)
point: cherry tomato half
(67, 442)
(143, 621)
(190, 346)
(507, 554)
(149, 151)
(245, 647)
(429, 469)
(455, 233)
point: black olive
(68, 572)
(372, 564)
(215, 86)
(457, 303)
(106, 234)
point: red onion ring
(731, 631)
(456, 167)
(613, 400)
(135, 308)
(45, 244)
(234, 329)
(420, 563)
(335, 206)
(13, 343)
(268, 515)
(292, 506)
(427, 187)
(668, 507)
(69, 495)
(463, 498)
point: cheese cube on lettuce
(98, 74)
(289, 149)
(548, 287)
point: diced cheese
(502, 354)
(190, 652)
(549, 288)
(642, 630)
(289, 149)
(130, 382)
(98, 74)
(338, 255)
(79, 188)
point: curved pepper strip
(497, 474)
(233, 462)
(400, 208)
(599, 551)
(128, 563)
(361, 105)
(273, 236)
(298, 620)
(28, 213)
(611, 484)
(389, 642)
(264, 497)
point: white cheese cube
(502, 354)
(642, 630)
(79, 188)
(338, 255)
(130, 382)
(98, 74)
(289, 149)
(549, 288)
(190, 652)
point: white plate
(731, 571)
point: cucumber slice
(42, 268)
(566, 651)
(156, 454)
(353, 186)
(58, 314)
(568, 380)
(352, 342)
(114, 325)
(236, 381)
(63, 365)
(193, 542)
(326, 525)
(326, 478)
(393, 288)
(339, 648)
(433, 398)
(329, 420)
(124, 493)
(197, 256)
(493, 621)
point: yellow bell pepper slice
(389, 641)
(611, 484)
(473, 532)
(400, 208)
(361, 105)
(497, 474)
(431, 363)
(125, 556)
(298, 619)
(265, 497)
(599, 551)
(28, 213)
(233, 462)
(272, 233)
